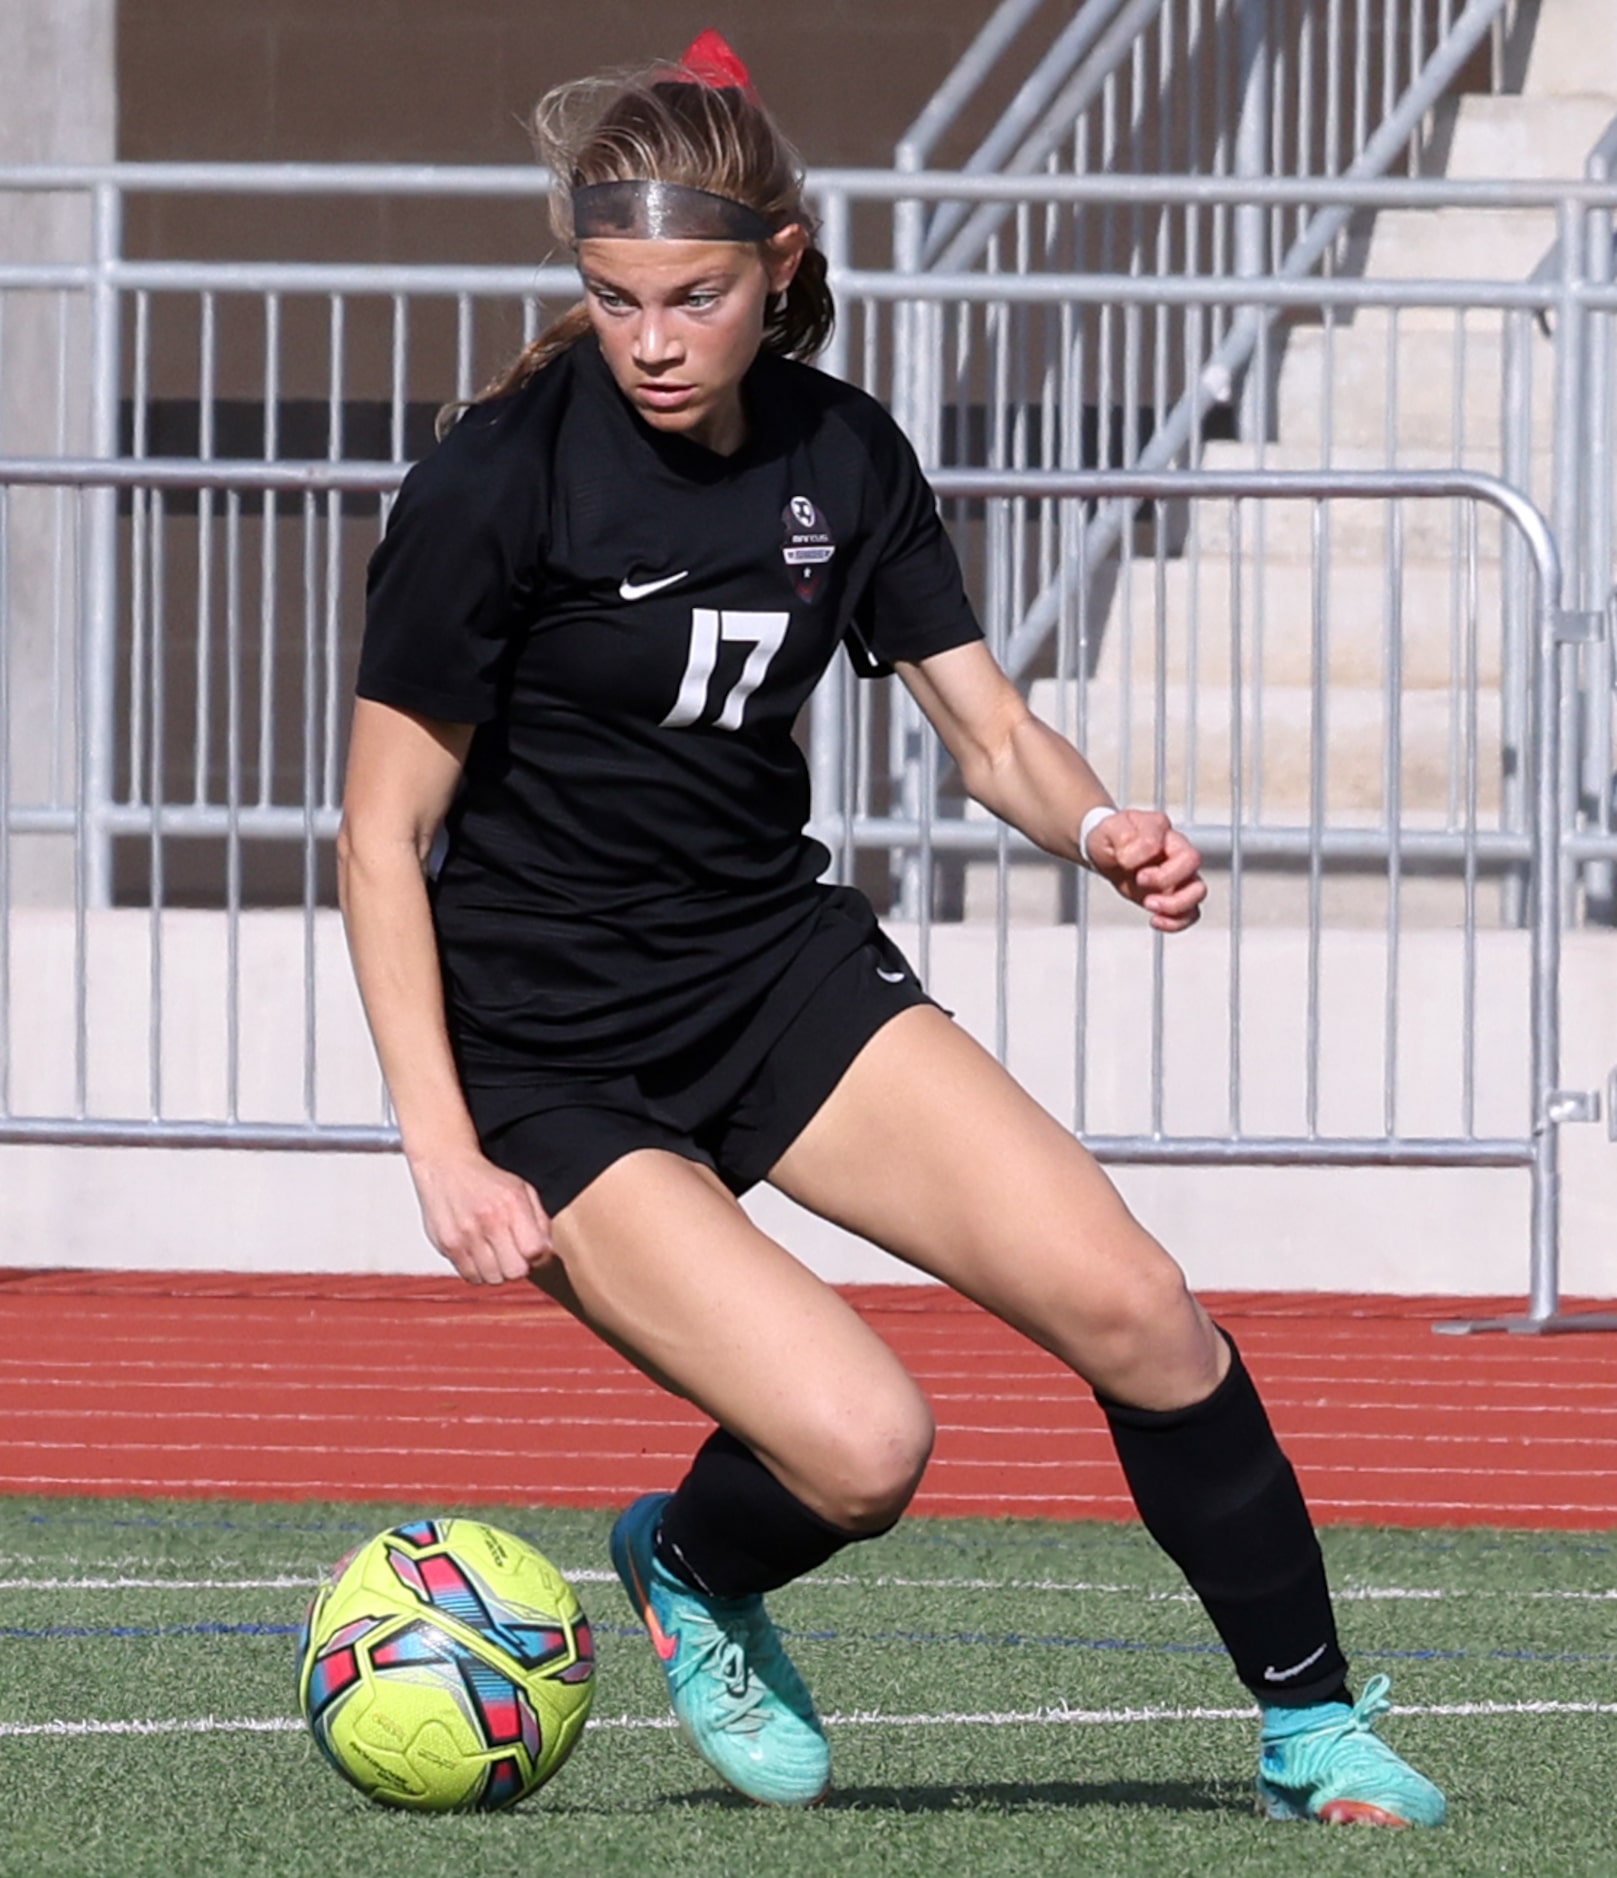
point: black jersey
(634, 623)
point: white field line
(594, 1575)
(1012, 1718)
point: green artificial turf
(928, 1644)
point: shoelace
(739, 1709)
(748, 1632)
(1355, 1730)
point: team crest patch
(808, 545)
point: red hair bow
(711, 58)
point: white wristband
(1102, 812)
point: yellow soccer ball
(446, 1666)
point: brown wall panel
(412, 80)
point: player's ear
(782, 252)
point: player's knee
(879, 1469)
(1147, 1341)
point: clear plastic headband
(648, 211)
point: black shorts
(735, 1105)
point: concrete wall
(1414, 1231)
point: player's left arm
(1030, 776)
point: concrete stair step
(1534, 137)
(1283, 453)
(1432, 529)
(1311, 458)
(1458, 244)
(1204, 616)
(1447, 383)
(1123, 724)
(1574, 45)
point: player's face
(680, 323)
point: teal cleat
(1326, 1763)
(737, 1698)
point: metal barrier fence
(179, 1009)
(181, 623)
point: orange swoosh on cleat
(667, 1647)
(1358, 1813)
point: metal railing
(180, 623)
(1248, 90)
(147, 1024)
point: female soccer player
(625, 997)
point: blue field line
(128, 1633)
(1030, 1535)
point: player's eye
(703, 299)
(610, 302)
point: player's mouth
(661, 397)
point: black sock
(1220, 1498)
(731, 1529)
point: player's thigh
(659, 1258)
(932, 1150)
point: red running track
(423, 1389)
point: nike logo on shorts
(638, 589)
(1285, 1675)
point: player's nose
(654, 342)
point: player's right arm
(402, 774)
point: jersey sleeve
(914, 603)
(451, 580)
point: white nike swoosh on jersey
(893, 978)
(638, 589)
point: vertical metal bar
(1468, 977)
(1458, 755)
(1318, 766)
(465, 346)
(232, 804)
(1251, 164)
(1392, 790)
(401, 376)
(1331, 159)
(1515, 652)
(1237, 819)
(84, 882)
(1552, 672)
(156, 883)
(311, 615)
(1592, 553)
(137, 554)
(203, 718)
(269, 556)
(1260, 623)
(1083, 650)
(68, 576)
(99, 649)
(7, 641)
(336, 372)
(1571, 321)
